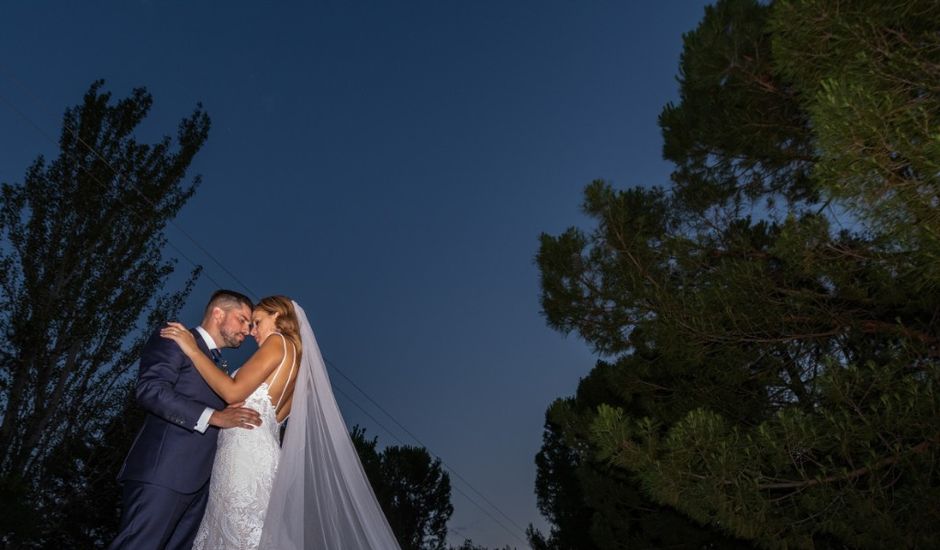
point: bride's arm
(258, 367)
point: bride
(309, 493)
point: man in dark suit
(166, 473)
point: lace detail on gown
(242, 476)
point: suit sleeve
(160, 364)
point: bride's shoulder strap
(290, 373)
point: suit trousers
(157, 518)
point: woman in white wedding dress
(246, 459)
(311, 493)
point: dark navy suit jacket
(168, 450)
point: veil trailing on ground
(321, 498)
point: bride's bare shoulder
(271, 348)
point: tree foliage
(412, 489)
(592, 504)
(81, 278)
(769, 321)
(468, 545)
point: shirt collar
(210, 343)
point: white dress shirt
(206, 414)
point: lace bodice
(243, 472)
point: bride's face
(262, 325)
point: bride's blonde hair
(286, 321)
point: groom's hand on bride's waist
(235, 416)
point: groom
(166, 473)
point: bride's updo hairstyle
(286, 321)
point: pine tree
(770, 319)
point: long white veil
(321, 498)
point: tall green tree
(770, 320)
(592, 504)
(412, 489)
(81, 284)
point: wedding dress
(243, 473)
(320, 497)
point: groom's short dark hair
(226, 299)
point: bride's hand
(181, 335)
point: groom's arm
(160, 364)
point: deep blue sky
(390, 166)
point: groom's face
(235, 325)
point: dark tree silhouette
(412, 489)
(81, 281)
(468, 545)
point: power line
(104, 186)
(218, 263)
(92, 150)
(413, 436)
(400, 442)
